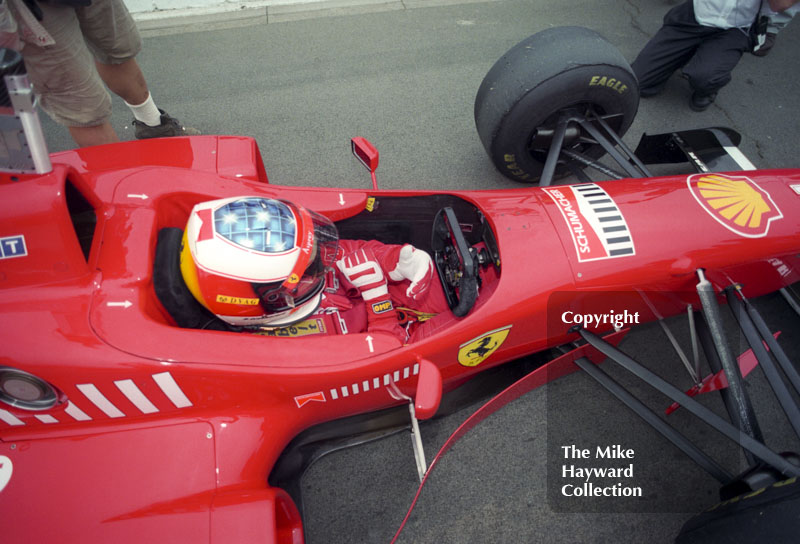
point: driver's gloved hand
(415, 266)
(361, 268)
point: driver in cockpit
(280, 269)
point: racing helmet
(257, 262)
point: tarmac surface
(303, 78)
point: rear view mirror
(429, 390)
(365, 152)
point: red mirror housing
(429, 390)
(365, 152)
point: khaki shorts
(64, 75)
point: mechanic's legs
(97, 135)
(66, 81)
(710, 68)
(671, 47)
(126, 80)
(655, 64)
(114, 41)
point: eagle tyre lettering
(610, 82)
(558, 69)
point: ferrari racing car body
(117, 424)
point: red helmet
(257, 262)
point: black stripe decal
(623, 251)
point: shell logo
(736, 202)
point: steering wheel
(455, 264)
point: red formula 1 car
(124, 420)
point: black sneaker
(701, 102)
(766, 47)
(169, 127)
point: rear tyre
(563, 69)
(771, 514)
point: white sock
(146, 112)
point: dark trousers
(707, 55)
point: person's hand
(361, 268)
(781, 5)
(415, 266)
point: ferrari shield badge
(736, 202)
(478, 349)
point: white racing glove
(362, 269)
(415, 266)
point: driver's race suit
(376, 287)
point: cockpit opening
(83, 216)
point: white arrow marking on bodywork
(6, 468)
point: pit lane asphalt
(406, 79)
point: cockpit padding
(172, 292)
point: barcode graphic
(605, 218)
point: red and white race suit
(366, 292)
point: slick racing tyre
(563, 69)
(771, 514)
